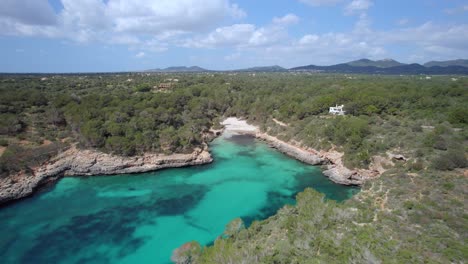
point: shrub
(234, 227)
(144, 87)
(10, 124)
(409, 205)
(451, 160)
(419, 153)
(187, 253)
(458, 115)
(440, 143)
(416, 128)
(416, 165)
(3, 142)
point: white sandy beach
(233, 125)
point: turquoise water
(142, 218)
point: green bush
(144, 87)
(10, 124)
(451, 160)
(187, 253)
(458, 115)
(3, 142)
(417, 165)
(440, 143)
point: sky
(132, 35)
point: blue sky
(127, 35)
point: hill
(460, 62)
(385, 63)
(274, 68)
(402, 69)
(180, 69)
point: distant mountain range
(389, 66)
(463, 63)
(179, 69)
(362, 66)
(274, 68)
(385, 63)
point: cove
(143, 218)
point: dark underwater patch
(331, 190)
(244, 140)
(114, 226)
(276, 200)
(178, 205)
(245, 153)
(304, 180)
(194, 224)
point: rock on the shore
(345, 176)
(74, 162)
(336, 170)
(305, 156)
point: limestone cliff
(335, 168)
(75, 162)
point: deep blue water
(141, 218)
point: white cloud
(425, 42)
(403, 21)
(146, 26)
(357, 6)
(236, 12)
(330, 46)
(308, 40)
(245, 35)
(225, 36)
(288, 19)
(233, 56)
(415, 44)
(148, 16)
(27, 18)
(456, 10)
(125, 21)
(320, 2)
(140, 54)
(28, 12)
(428, 36)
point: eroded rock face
(306, 156)
(345, 176)
(74, 162)
(336, 170)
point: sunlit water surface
(141, 218)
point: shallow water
(142, 218)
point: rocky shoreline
(75, 162)
(331, 160)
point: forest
(416, 208)
(127, 114)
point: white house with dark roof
(337, 110)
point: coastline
(332, 159)
(75, 162)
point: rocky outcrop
(334, 169)
(332, 159)
(75, 162)
(306, 156)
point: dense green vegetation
(398, 218)
(414, 213)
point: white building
(337, 110)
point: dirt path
(280, 123)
